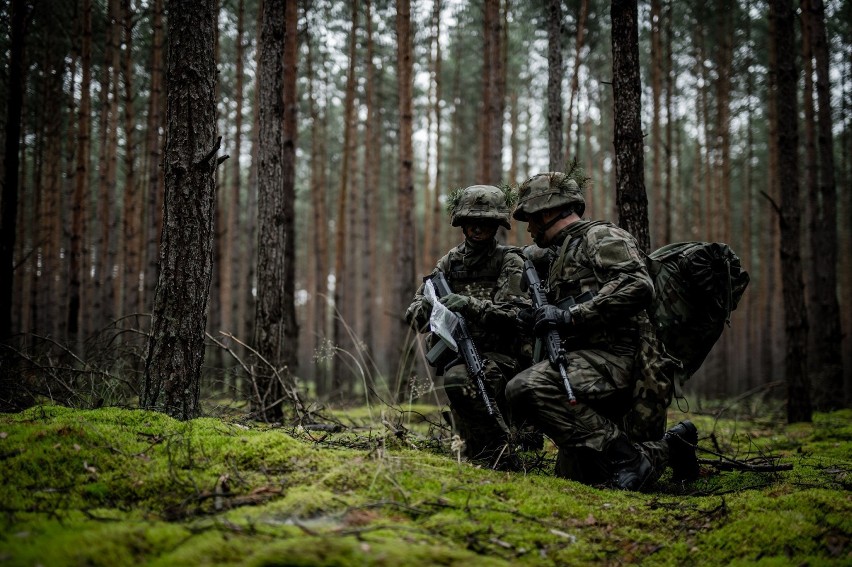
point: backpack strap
(571, 244)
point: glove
(455, 302)
(525, 320)
(550, 318)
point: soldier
(619, 374)
(486, 280)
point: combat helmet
(551, 190)
(481, 202)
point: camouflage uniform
(488, 275)
(608, 341)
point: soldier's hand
(525, 320)
(550, 318)
(455, 302)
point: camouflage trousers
(603, 385)
(484, 435)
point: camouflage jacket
(600, 257)
(491, 277)
(604, 259)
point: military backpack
(698, 285)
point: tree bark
(108, 142)
(132, 202)
(827, 363)
(154, 216)
(627, 92)
(575, 78)
(795, 317)
(275, 320)
(555, 73)
(660, 210)
(341, 269)
(11, 162)
(491, 134)
(77, 270)
(372, 164)
(668, 194)
(319, 224)
(232, 244)
(176, 346)
(404, 279)
(725, 54)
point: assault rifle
(440, 356)
(552, 340)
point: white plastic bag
(442, 321)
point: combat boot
(682, 439)
(631, 469)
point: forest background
(501, 90)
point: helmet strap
(564, 213)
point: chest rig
(571, 274)
(481, 282)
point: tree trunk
(751, 227)
(154, 216)
(575, 78)
(176, 347)
(627, 92)
(319, 223)
(232, 244)
(372, 163)
(341, 270)
(230, 295)
(668, 195)
(704, 213)
(11, 161)
(430, 221)
(554, 85)
(52, 308)
(132, 205)
(796, 325)
(491, 134)
(77, 270)
(660, 210)
(725, 54)
(770, 297)
(108, 141)
(275, 320)
(827, 363)
(404, 278)
(809, 209)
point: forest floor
(129, 487)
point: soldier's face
(479, 231)
(534, 227)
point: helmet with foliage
(479, 202)
(552, 190)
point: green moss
(116, 486)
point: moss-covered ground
(129, 487)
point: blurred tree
(795, 316)
(555, 73)
(77, 293)
(826, 365)
(404, 246)
(343, 297)
(11, 161)
(153, 166)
